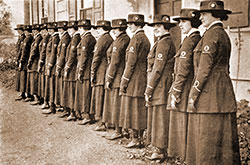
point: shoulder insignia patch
(83, 48)
(44, 44)
(183, 54)
(159, 56)
(206, 49)
(63, 45)
(55, 45)
(72, 47)
(114, 49)
(131, 49)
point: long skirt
(18, 73)
(82, 97)
(34, 83)
(178, 134)
(112, 106)
(69, 94)
(97, 98)
(28, 83)
(59, 90)
(133, 113)
(23, 80)
(52, 89)
(212, 139)
(158, 126)
(47, 88)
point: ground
(29, 137)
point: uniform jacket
(212, 89)
(99, 62)
(183, 70)
(85, 54)
(160, 72)
(134, 77)
(61, 52)
(34, 53)
(42, 48)
(71, 58)
(19, 46)
(117, 60)
(53, 55)
(26, 51)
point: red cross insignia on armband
(83, 48)
(114, 49)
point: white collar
(215, 22)
(83, 34)
(77, 32)
(36, 35)
(140, 29)
(55, 33)
(64, 32)
(192, 31)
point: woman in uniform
(212, 130)
(183, 71)
(159, 74)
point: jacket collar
(214, 24)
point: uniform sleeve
(25, 49)
(209, 49)
(19, 47)
(55, 43)
(160, 61)
(43, 52)
(98, 53)
(131, 61)
(118, 53)
(86, 51)
(34, 50)
(184, 67)
(72, 54)
(61, 60)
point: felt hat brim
(210, 10)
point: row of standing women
(183, 96)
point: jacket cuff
(149, 90)
(110, 78)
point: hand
(173, 102)
(93, 79)
(123, 90)
(65, 74)
(79, 77)
(108, 86)
(148, 98)
(17, 63)
(39, 69)
(49, 72)
(29, 66)
(191, 105)
(57, 73)
(20, 66)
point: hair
(75, 27)
(86, 28)
(64, 28)
(222, 15)
(139, 24)
(122, 29)
(56, 29)
(195, 23)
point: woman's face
(185, 26)
(132, 27)
(159, 30)
(206, 19)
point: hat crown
(119, 23)
(212, 5)
(35, 26)
(136, 18)
(84, 22)
(72, 23)
(189, 13)
(103, 23)
(62, 24)
(161, 18)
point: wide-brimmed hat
(62, 24)
(43, 26)
(19, 27)
(162, 19)
(136, 18)
(72, 24)
(103, 23)
(188, 14)
(119, 23)
(27, 27)
(52, 25)
(84, 23)
(35, 27)
(212, 5)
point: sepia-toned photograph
(124, 82)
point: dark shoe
(100, 128)
(70, 118)
(156, 156)
(114, 136)
(133, 144)
(45, 106)
(35, 103)
(84, 121)
(19, 98)
(28, 99)
(65, 114)
(59, 109)
(48, 111)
